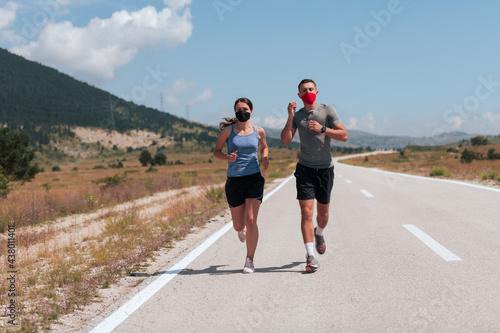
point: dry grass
(63, 259)
(435, 161)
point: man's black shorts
(314, 183)
(246, 187)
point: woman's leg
(238, 216)
(252, 211)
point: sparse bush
(489, 174)
(56, 168)
(116, 166)
(112, 181)
(439, 171)
(215, 194)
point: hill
(52, 106)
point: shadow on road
(214, 270)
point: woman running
(245, 183)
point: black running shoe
(311, 264)
(320, 243)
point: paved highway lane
(382, 271)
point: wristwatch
(323, 129)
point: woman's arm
(264, 149)
(218, 154)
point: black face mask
(243, 116)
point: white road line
(348, 181)
(431, 243)
(368, 194)
(457, 182)
(117, 317)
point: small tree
(467, 156)
(160, 159)
(492, 155)
(145, 157)
(16, 155)
(4, 184)
(479, 141)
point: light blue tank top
(247, 162)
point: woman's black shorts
(314, 183)
(246, 187)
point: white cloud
(8, 14)
(176, 4)
(98, 49)
(367, 123)
(492, 117)
(272, 122)
(353, 123)
(205, 96)
(179, 86)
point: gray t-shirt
(315, 147)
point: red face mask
(308, 98)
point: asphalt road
(404, 254)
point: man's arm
(337, 133)
(288, 131)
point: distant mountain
(363, 139)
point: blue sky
(391, 67)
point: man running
(318, 124)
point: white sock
(310, 249)
(319, 231)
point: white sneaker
(242, 235)
(249, 268)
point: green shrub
(112, 181)
(56, 168)
(439, 171)
(490, 174)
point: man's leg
(323, 214)
(322, 220)
(307, 226)
(306, 223)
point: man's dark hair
(306, 81)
